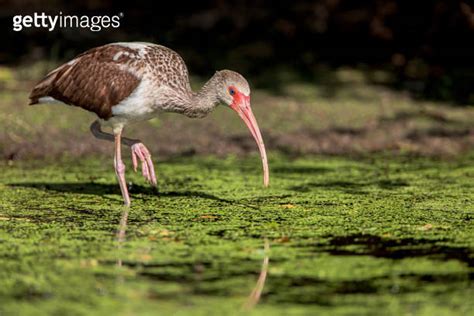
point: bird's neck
(205, 100)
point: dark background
(427, 46)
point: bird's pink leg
(120, 169)
(139, 151)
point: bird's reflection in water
(121, 233)
(254, 296)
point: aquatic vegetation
(346, 236)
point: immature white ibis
(131, 82)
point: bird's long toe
(140, 152)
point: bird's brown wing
(95, 81)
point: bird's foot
(139, 151)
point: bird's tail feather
(44, 87)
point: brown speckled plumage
(102, 77)
(92, 81)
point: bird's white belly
(136, 111)
(140, 105)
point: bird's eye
(231, 91)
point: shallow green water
(379, 235)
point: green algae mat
(375, 235)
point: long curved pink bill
(245, 112)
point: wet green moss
(366, 236)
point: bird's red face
(241, 105)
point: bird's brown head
(234, 91)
